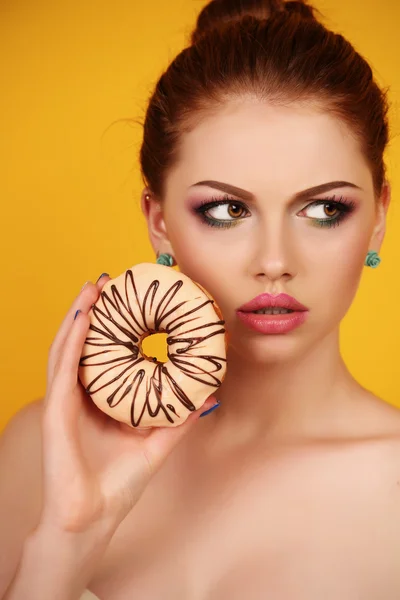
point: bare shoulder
(384, 423)
(386, 416)
(21, 433)
(370, 416)
(20, 484)
(31, 411)
(22, 430)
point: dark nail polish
(103, 275)
(207, 412)
(77, 313)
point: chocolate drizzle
(121, 329)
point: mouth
(273, 321)
(267, 304)
(271, 311)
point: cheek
(199, 252)
(207, 272)
(202, 267)
(339, 281)
(195, 257)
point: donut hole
(154, 346)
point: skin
(292, 485)
(274, 153)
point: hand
(95, 468)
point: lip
(270, 301)
(273, 324)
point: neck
(306, 397)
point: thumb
(162, 440)
(125, 481)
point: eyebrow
(304, 195)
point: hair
(277, 52)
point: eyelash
(345, 207)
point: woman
(263, 164)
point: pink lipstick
(273, 323)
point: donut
(140, 390)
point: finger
(66, 363)
(88, 296)
(83, 302)
(63, 398)
(102, 280)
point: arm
(56, 565)
(67, 481)
(20, 486)
(34, 561)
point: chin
(268, 349)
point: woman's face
(263, 238)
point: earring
(165, 259)
(372, 259)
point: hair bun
(300, 8)
(218, 12)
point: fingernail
(77, 313)
(103, 275)
(207, 412)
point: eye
(323, 210)
(329, 212)
(230, 209)
(226, 212)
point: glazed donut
(139, 390)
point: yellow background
(70, 184)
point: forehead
(262, 146)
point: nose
(273, 257)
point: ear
(152, 209)
(382, 208)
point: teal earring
(372, 260)
(165, 259)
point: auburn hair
(276, 51)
